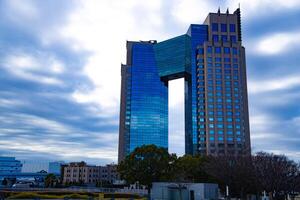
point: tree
(276, 174)
(147, 164)
(191, 169)
(51, 180)
(4, 182)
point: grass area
(68, 195)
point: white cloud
(102, 28)
(192, 11)
(38, 68)
(20, 10)
(282, 83)
(278, 43)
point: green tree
(147, 164)
(51, 180)
(190, 168)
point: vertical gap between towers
(176, 117)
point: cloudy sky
(60, 72)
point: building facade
(80, 172)
(109, 174)
(9, 165)
(55, 167)
(211, 59)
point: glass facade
(211, 59)
(9, 165)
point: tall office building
(211, 59)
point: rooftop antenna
(219, 11)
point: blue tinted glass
(201, 51)
(214, 27)
(233, 38)
(234, 51)
(146, 87)
(218, 59)
(224, 38)
(217, 49)
(232, 28)
(215, 38)
(226, 59)
(223, 27)
(226, 50)
(209, 49)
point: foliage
(147, 164)
(244, 175)
(51, 180)
(32, 195)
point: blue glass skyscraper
(211, 59)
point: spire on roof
(227, 11)
(219, 11)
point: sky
(60, 72)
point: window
(218, 76)
(223, 27)
(235, 66)
(201, 66)
(218, 65)
(200, 60)
(201, 51)
(220, 113)
(229, 126)
(211, 126)
(226, 59)
(217, 49)
(230, 139)
(211, 132)
(209, 49)
(227, 65)
(215, 38)
(214, 27)
(211, 119)
(211, 138)
(235, 60)
(232, 28)
(224, 38)
(218, 88)
(233, 38)
(219, 119)
(218, 71)
(220, 126)
(220, 138)
(234, 51)
(226, 50)
(218, 59)
(229, 119)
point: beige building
(80, 172)
(109, 173)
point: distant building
(55, 167)
(34, 166)
(9, 165)
(80, 172)
(109, 173)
